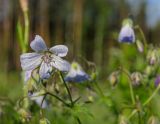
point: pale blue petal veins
(38, 44)
(45, 70)
(59, 50)
(30, 61)
(60, 64)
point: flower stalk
(143, 36)
(130, 83)
(67, 88)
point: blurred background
(88, 27)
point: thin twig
(58, 98)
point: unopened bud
(153, 120)
(113, 78)
(136, 78)
(127, 34)
(25, 115)
(157, 81)
(123, 120)
(152, 57)
(149, 70)
(140, 46)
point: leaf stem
(67, 88)
(78, 120)
(143, 36)
(146, 102)
(130, 84)
(58, 98)
(151, 97)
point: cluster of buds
(25, 115)
(136, 78)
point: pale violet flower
(126, 34)
(157, 81)
(38, 100)
(45, 58)
(34, 96)
(76, 74)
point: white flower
(127, 33)
(35, 96)
(38, 100)
(44, 58)
(76, 74)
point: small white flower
(76, 74)
(38, 100)
(126, 34)
(45, 58)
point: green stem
(78, 120)
(133, 113)
(151, 97)
(99, 89)
(139, 117)
(41, 111)
(58, 98)
(143, 36)
(67, 88)
(44, 94)
(26, 29)
(130, 84)
(146, 102)
(43, 100)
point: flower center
(47, 58)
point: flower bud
(149, 70)
(152, 57)
(153, 120)
(140, 46)
(113, 78)
(136, 78)
(126, 34)
(157, 81)
(44, 121)
(25, 115)
(123, 120)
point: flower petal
(77, 75)
(59, 50)
(38, 44)
(30, 61)
(38, 99)
(60, 64)
(45, 70)
(27, 75)
(127, 34)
